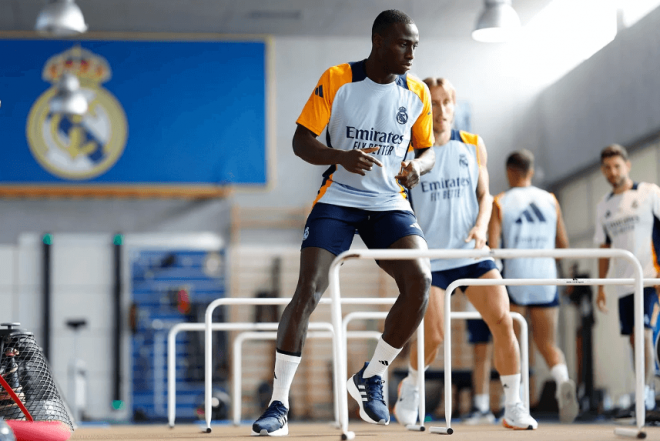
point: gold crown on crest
(87, 66)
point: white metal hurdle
(238, 342)
(209, 327)
(524, 353)
(637, 282)
(515, 282)
(243, 326)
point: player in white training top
(629, 218)
(370, 112)
(526, 217)
(453, 204)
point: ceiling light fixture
(61, 18)
(69, 100)
(497, 23)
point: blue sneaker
(273, 422)
(368, 392)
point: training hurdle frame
(246, 327)
(526, 282)
(236, 326)
(465, 315)
(208, 326)
(398, 254)
(238, 342)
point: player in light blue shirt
(526, 217)
(453, 204)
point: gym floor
(549, 432)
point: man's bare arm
(309, 149)
(603, 267)
(480, 229)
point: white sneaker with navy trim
(517, 417)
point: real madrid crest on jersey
(402, 116)
(463, 160)
(77, 147)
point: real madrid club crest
(402, 116)
(71, 146)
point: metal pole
(116, 338)
(46, 292)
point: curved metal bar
(335, 297)
(238, 359)
(208, 327)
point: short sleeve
(600, 235)
(655, 204)
(422, 129)
(316, 113)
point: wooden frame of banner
(116, 191)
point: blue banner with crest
(160, 112)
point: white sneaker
(517, 417)
(407, 403)
(567, 401)
(476, 417)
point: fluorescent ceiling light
(497, 23)
(61, 18)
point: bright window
(564, 34)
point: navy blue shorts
(332, 227)
(627, 314)
(551, 304)
(478, 331)
(442, 279)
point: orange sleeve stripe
(422, 129)
(470, 138)
(316, 113)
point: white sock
(383, 356)
(511, 385)
(559, 373)
(413, 376)
(285, 369)
(649, 397)
(482, 402)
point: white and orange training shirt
(631, 221)
(359, 113)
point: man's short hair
(614, 150)
(444, 83)
(387, 18)
(521, 161)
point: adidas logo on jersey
(384, 362)
(319, 91)
(531, 214)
